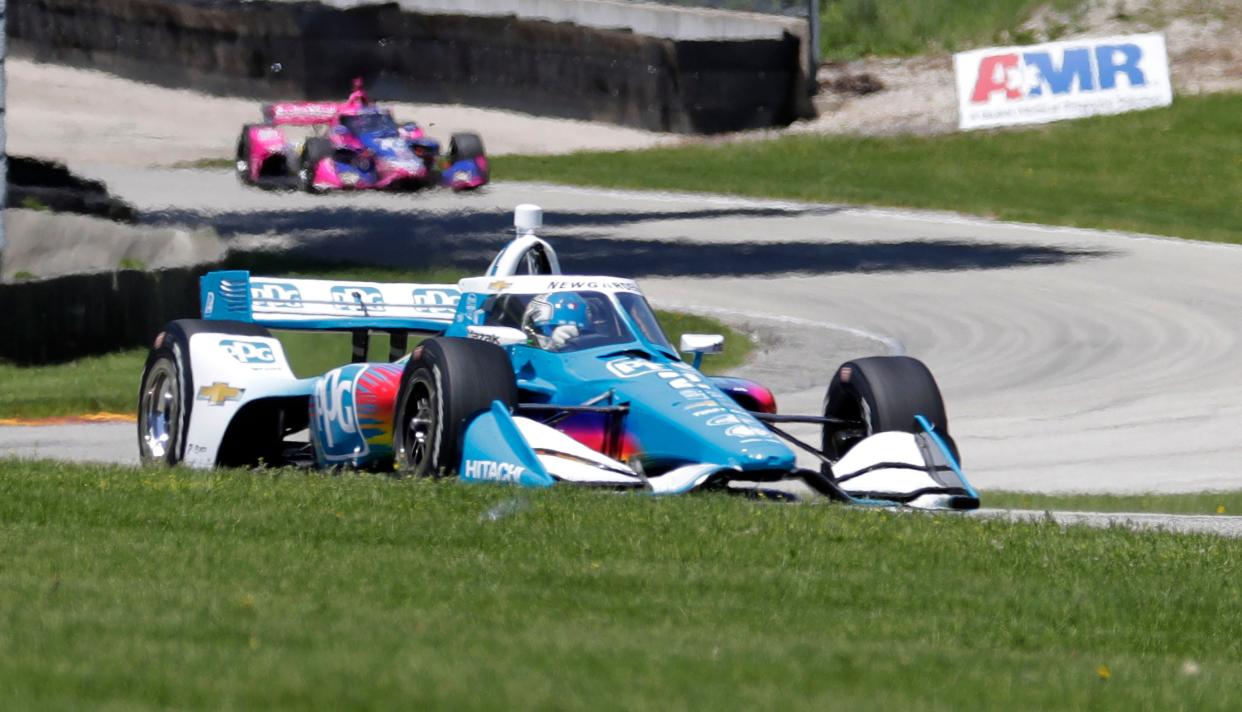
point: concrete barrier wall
(60, 319)
(309, 50)
(46, 244)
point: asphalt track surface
(1071, 360)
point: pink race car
(353, 145)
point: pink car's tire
(315, 150)
(465, 145)
(241, 164)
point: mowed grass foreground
(136, 589)
(1174, 171)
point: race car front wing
(895, 468)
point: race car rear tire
(315, 150)
(446, 383)
(465, 145)
(166, 391)
(883, 393)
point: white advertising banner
(1035, 84)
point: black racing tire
(465, 145)
(166, 392)
(446, 383)
(313, 151)
(884, 393)
(241, 165)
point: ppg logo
(249, 352)
(355, 298)
(631, 367)
(335, 416)
(436, 300)
(275, 294)
(746, 432)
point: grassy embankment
(137, 589)
(1174, 171)
(857, 28)
(109, 383)
(850, 29)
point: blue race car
(527, 376)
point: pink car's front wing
(466, 174)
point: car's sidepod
(351, 412)
(676, 415)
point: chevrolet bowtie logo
(498, 285)
(217, 393)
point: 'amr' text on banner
(1002, 86)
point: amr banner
(1035, 84)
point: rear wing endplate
(327, 304)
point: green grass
(93, 384)
(204, 164)
(737, 346)
(1174, 171)
(856, 28)
(1196, 503)
(110, 383)
(32, 203)
(127, 589)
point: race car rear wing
(300, 113)
(316, 304)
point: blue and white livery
(530, 377)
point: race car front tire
(446, 383)
(881, 393)
(465, 145)
(315, 150)
(166, 392)
(241, 165)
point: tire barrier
(308, 50)
(57, 320)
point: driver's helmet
(554, 319)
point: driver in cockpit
(553, 320)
